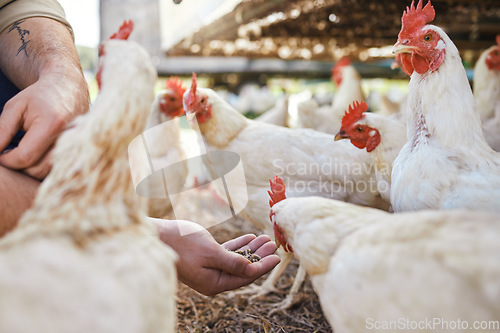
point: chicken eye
(359, 129)
(428, 37)
(202, 100)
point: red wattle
(358, 144)
(98, 77)
(420, 64)
(205, 115)
(406, 64)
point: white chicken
(278, 114)
(487, 93)
(387, 107)
(327, 118)
(446, 162)
(164, 145)
(383, 137)
(372, 269)
(253, 99)
(304, 157)
(309, 113)
(84, 259)
(486, 84)
(491, 129)
(311, 162)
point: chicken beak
(402, 47)
(339, 136)
(190, 116)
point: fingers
(266, 249)
(262, 246)
(257, 243)
(210, 268)
(237, 243)
(30, 150)
(232, 263)
(261, 267)
(252, 272)
(41, 169)
(10, 123)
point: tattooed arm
(38, 55)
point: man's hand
(207, 266)
(42, 110)
(53, 91)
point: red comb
(175, 85)
(498, 40)
(344, 61)
(354, 113)
(416, 17)
(124, 31)
(277, 192)
(192, 92)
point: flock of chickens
(392, 217)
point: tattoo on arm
(23, 33)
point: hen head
(352, 128)
(123, 33)
(493, 58)
(171, 101)
(337, 70)
(419, 47)
(277, 194)
(196, 103)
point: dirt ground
(228, 313)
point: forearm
(174, 228)
(34, 47)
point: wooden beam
(242, 14)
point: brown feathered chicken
(83, 259)
(389, 272)
(446, 162)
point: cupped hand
(207, 266)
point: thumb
(10, 122)
(230, 262)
